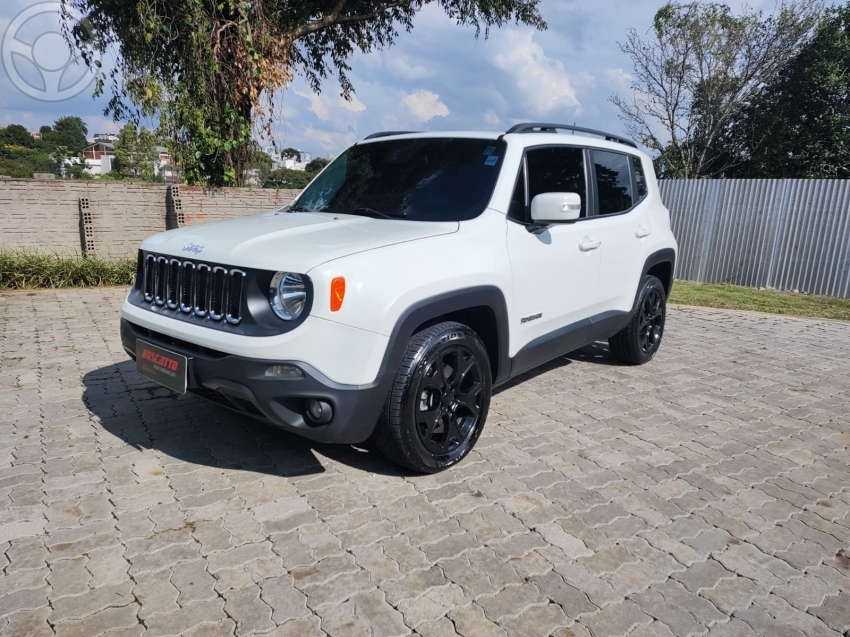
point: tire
(433, 417)
(638, 342)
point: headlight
(288, 295)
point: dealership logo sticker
(37, 58)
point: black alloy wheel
(651, 321)
(450, 395)
(439, 400)
(639, 341)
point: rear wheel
(439, 401)
(638, 342)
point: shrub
(22, 269)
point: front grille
(194, 288)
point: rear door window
(613, 182)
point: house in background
(292, 163)
(99, 156)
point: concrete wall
(112, 218)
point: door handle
(587, 244)
(642, 232)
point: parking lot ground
(705, 493)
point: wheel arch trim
(431, 308)
(666, 255)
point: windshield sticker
(489, 150)
(491, 160)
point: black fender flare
(431, 308)
(666, 255)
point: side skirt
(562, 341)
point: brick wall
(112, 218)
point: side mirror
(556, 207)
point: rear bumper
(240, 383)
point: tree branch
(334, 17)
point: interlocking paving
(705, 493)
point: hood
(295, 241)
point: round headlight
(288, 295)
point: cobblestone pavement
(707, 492)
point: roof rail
(389, 133)
(533, 127)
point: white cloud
(491, 118)
(425, 105)
(330, 140)
(542, 81)
(400, 66)
(321, 104)
(354, 105)
(618, 78)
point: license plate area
(165, 367)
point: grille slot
(197, 289)
(172, 284)
(150, 278)
(202, 290)
(161, 279)
(187, 287)
(234, 297)
(217, 292)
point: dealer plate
(161, 365)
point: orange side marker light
(337, 293)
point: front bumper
(240, 383)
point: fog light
(318, 411)
(284, 371)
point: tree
(69, 132)
(290, 153)
(16, 135)
(316, 165)
(260, 164)
(288, 178)
(697, 70)
(135, 152)
(210, 68)
(798, 124)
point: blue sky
(438, 77)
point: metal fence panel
(788, 234)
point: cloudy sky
(438, 77)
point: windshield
(431, 179)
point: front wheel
(638, 342)
(439, 400)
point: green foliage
(25, 269)
(798, 124)
(135, 153)
(287, 178)
(316, 165)
(21, 155)
(69, 132)
(16, 135)
(210, 68)
(290, 153)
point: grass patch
(735, 297)
(22, 269)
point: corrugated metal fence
(788, 234)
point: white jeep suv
(416, 273)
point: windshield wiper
(375, 213)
